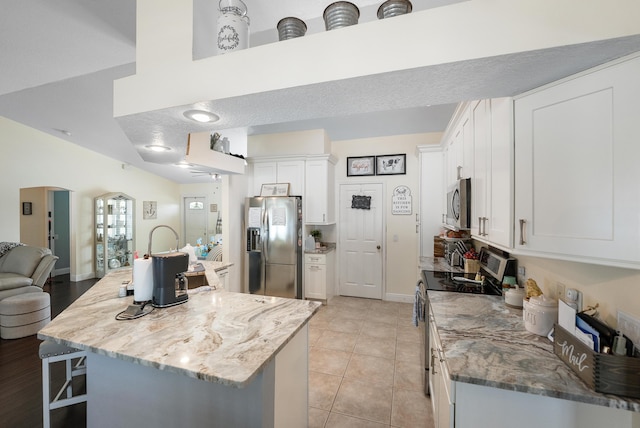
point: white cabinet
(319, 196)
(441, 386)
(279, 171)
(431, 197)
(492, 177)
(319, 272)
(223, 276)
(576, 164)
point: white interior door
(195, 219)
(360, 246)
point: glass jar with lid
(233, 26)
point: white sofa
(25, 269)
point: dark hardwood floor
(21, 370)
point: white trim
(62, 271)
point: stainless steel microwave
(459, 204)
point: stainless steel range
(494, 266)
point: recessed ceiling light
(157, 148)
(183, 164)
(201, 116)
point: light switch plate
(630, 327)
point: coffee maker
(169, 282)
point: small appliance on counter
(169, 282)
(459, 204)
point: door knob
(378, 247)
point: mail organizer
(605, 373)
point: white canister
(233, 27)
(514, 297)
(540, 314)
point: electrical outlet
(574, 296)
(630, 327)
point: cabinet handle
(417, 215)
(484, 226)
(417, 228)
(323, 218)
(443, 218)
(480, 226)
(459, 168)
(523, 224)
(433, 362)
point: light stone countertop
(326, 247)
(486, 343)
(437, 264)
(217, 336)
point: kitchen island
(220, 359)
(500, 375)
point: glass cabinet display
(113, 240)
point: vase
(233, 26)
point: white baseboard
(82, 277)
(62, 271)
(402, 298)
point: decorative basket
(290, 28)
(340, 14)
(392, 8)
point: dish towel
(418, 310)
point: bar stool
(51, 352)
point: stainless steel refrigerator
(273, 243)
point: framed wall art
(391, 164)
(361, 166)
(149, 210)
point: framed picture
(275, 189)
(27, 208)
(391, 164)
(361, 165)
(149, 210)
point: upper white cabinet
(576, 166)
(279, 171)
(479, 145)
(492, 178)
(319, 198)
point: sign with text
(401, 201)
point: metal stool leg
(65, 396)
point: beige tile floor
(364, 366)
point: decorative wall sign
(275, 189)
(361, 165)
(149, 210)
(401, 201)
(361, 202)
(391, 164)
(27, 208)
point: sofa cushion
(9, 280)
(23, 260)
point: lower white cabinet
(223, 276)
(319, 275)
(441, 386)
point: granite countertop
(326, 247)
(217, 336)
(485, 343)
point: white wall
(401, 254)
(612, 288)
(30, 158)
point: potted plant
(317, 235)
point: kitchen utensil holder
(605, 373)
